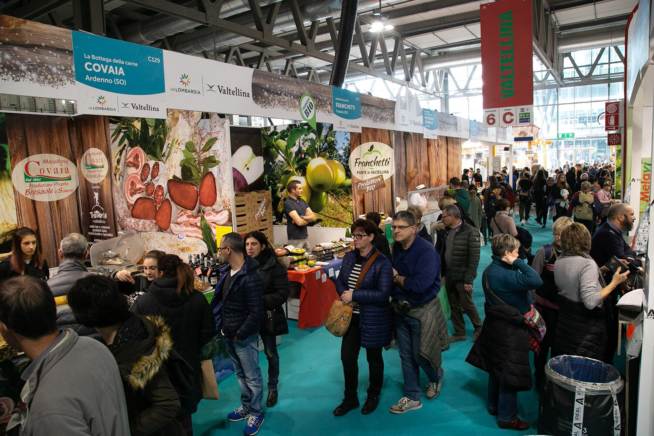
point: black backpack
(548, 290)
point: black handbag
(274, 323)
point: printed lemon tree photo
(318, 161)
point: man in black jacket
(608, 240)
(459, 261)
(240, 292)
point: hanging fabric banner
(506, 57)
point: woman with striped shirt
(365, 281)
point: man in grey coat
(72, 252)
(459, 264)
(72, 385)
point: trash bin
(581, 396)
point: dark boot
(370, 405)
(272, 398)
(345, 407)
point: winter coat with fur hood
(141, 347)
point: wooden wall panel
(454, 163)
(417, 170)
(382, 199)
(437, 152)
(399, 181)
(29, 135)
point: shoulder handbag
(209, 382)
(532, 318)
(275, 323)
(340, 314)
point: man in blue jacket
(238, 307)
(416, 272)
(608, 240)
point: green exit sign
(566, 136)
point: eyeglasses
(359, 235)
(222, 248)
(400, 227)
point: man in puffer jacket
(460, 258)
(142, 347)
(238, 310)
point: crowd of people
(124, 355)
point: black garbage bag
(581, 396)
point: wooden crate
(254, 212)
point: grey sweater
(73, 389)
(577, 278)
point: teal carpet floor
(311, 385)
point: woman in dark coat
(189, 317)
(366, 281)
(540, 197)
(502, 348)
(275, 294)
(142, 348)
(25, 257)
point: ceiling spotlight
(380, 23)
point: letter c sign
(508, 117)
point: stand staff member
(298, 215)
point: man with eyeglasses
(608, 240)
(416, 276)
(238, 311)
(459, 261)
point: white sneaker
(433, 389)
(405, 405)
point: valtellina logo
(139, 106)
(234, 91)
(185, 81)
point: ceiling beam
(189, 13)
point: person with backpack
(191, 323)
(503, 223)
(142, 347)
(546, 297)
(582, 206)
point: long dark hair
(172, 267)
(17, 260)
(263, 241)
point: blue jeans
(502, 399)
(408, 339)
(245, 356)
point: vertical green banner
(617, 185)
(645, 182)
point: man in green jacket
(460, 194)
(460, 258)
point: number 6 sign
(490, 117)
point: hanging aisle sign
(430, 124)
(346, 106)
(506, 57)
(118, 77)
